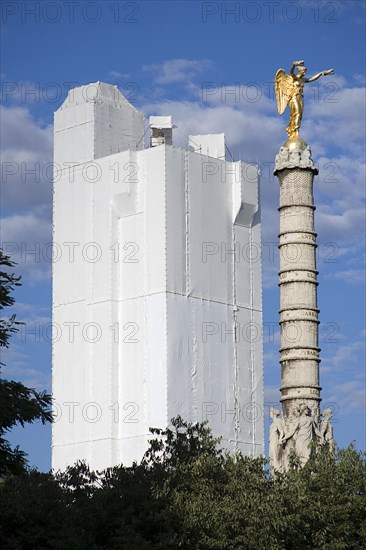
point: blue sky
(210, 65)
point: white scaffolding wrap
(163, 293)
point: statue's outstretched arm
(318, 75)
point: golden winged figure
(289, 91)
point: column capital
(294, 158)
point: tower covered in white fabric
(156, 288)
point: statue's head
(304, 409)
(327, 413)
(274, 413)
(302, 71)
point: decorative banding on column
(298, 241)
(296, 308)
(300, 397)
(316, 348)
(287, 273)
(287, 387)
(306, 319)
(290, 205)
(309, 357)
(303, 231)
(297, 270)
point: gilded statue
(290, 91)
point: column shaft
(299, 352)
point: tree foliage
(18, 404)
(187, 493)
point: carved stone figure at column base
(276, 434)
(300, 435)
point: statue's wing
(283, 87)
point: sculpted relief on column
(300, 434)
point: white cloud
(21, 133)
(27, 238)
(119, 75)
(341, 228)
(17, 367)
(347, 354)
(349, 396)
(341, 178)
(340, 122)
(346, 360)
(349, 276)
(348, 357)
(252, 134)
(178, 70)
(252, 97)
(360, 79)
(26, 151)
(26, 196)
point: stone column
(298, 283)
(299, 351)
